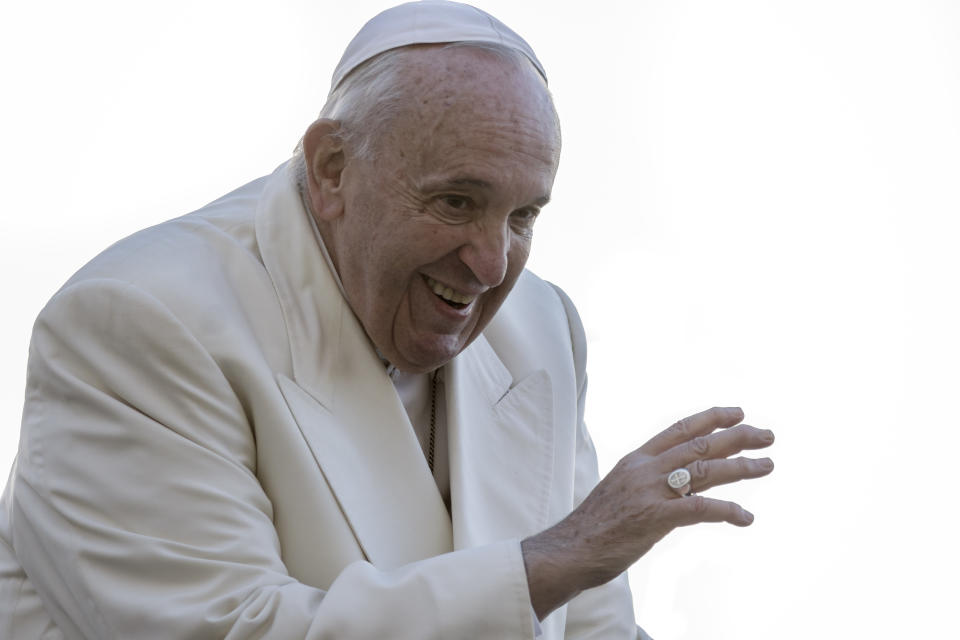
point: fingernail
(747, 516)
(768, 436)
(766, 464)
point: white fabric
(427, 22)
(212, 449)
(414, 392)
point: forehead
(473, 73)
(464, 99)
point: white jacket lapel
(376, 469)
(501, 448)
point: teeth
(447, 293)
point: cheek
(516, 261)
(517, 257)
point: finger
(691, 510)
(717, 445)
(705, 474)
(699, 424)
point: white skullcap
(427, 22)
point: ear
(323, 156)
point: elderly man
(312, 410)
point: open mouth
(448, 295)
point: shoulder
(195, 245)
(202, 271)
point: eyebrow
(481, 184)
(476, 182)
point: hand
(633, 507)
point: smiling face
(433, 230)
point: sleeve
(136, 512)
(605, 611)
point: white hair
(368, 99)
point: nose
(486, 253)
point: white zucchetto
(427, 22)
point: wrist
(557, 568)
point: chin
(421, 359)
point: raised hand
(634, 507)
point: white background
(756, 205)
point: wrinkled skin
(448, 200)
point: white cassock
(211, 448)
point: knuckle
(631, 462)
(743, 435)
(682, 427)
(743, 466)
(700, 445)
(698, 470)
(698, 505)
(624, 463)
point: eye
(523, 219)
(454, 208)
(457, 203)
